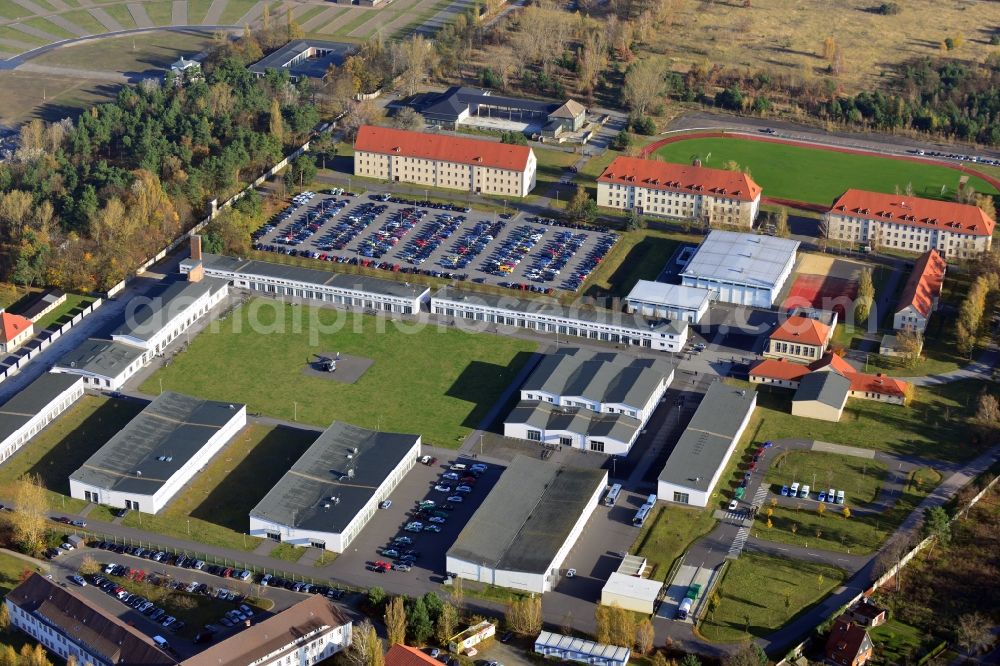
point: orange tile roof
(12, 325)
(878, 384)
(658, 175)
(403, 655)
(442, 147)
(779, 368)
(924, 284)
(913, 211)
(803, 330)
(834, 362)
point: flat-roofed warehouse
(523, 531)
(34, 407)
(338, 289)
(332, 491)
(103, 364)
(704, 449)
(152, 457)
(740, 268)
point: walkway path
(981, 368)
(214, 12)
(139, 15)
(107, 20)
(179, 12)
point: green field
(860, 478)
(65, 445)
(760, 593)
(72, 303)
(11, 570)
(924, 428)
(668, 534)
(638, 255)
(818, 176)
(434, 381)
(895, 641)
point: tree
(446, 622)
(34, 656)
(9, 656)
(89, 566)
(659, 660)
(970, 314)
(376, 596)
(417, 55)
(973, 633)
(524, 616)
(28, 519)
(581, 208)
(866, 296)
(644, 636)
(749, 654)
(4, 618)
(365, 648)
(781, 223)
(908, 345)
(277, 122)
(730, 98)
(358, 114)
(623, 626)
(395, 622)
(408, 119)
(821, 509)
(644, 84)
(602, 617)
(847, 512)
(988, 410)
(457, 593)
(985, 202)
(419, 626)
(937, 524)
(621, 141)
(690, 660)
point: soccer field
(435, 382)
(819, 176)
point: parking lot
(427, 570)
(425, 238)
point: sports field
(435, 382)
(813, 175)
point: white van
(684, 608)
(794, 490)
(161, 642)
(458, 467)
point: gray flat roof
(144, 318)
(702, 447)
(731, 256)
(250, 267)
(602, 377)
(154, 445)
(346, 462)
(32, 399)
(39, 302)
(672, 295)
(106, 358)
(336, 54)
(546, 416)
(824, 386)
(552, 308)
(528, 515)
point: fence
(893, 572)
(46, 338)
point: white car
(804, 492)
(456, 499)
(385, 504)
(442, 488)
(733, 505)
(570, 573)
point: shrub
(490, 79)
(731, 98)
(643, 125)
(622, 141)
(888, 9)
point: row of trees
(971, 325)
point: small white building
(34, 407)
(570, 648)
(703, 451)
(523, 531)
(103, 364)
(668, 301)
(152, 323)
(549, 316)
(15, 330)
(741, 268)
(144, 465)
(334, 489)
(336, 289)
(628, 589)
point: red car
(383, 565)
(752, 466)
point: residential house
(848, 644)
(15, 330)
(800, 339)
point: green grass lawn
(65, 444)
(925, 427)
(160, 13)
(11, 10)
(12, 569)
(214, 506)
(7, 32)
(121, 14)
(434, 381)
(235, 9)
(895, 641)
(85, 20)
(197, 10)
(860, 478)
(668, 534)
(760, 593)
(551, 167)
(287, 552)
(638, 255)
(68, 307)
(818, 176)
(48, 26)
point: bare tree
(644, 84)
(366, 648)
(417, 60)
(974, 633)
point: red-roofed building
(798, 338)
(15, 330)
(441, 160)
(920, 296)
(910, 224)
(404, 655)
(778, 372)
(848, 644)
(680, 191)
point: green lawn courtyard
(859, 478)
(759, 593)
(818, 176)
(668, 533)
(434, 381)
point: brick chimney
(197, 272)
(196, 247)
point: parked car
(784, 491)
(427, 460)
(734, 504)
(822, 496)
(385, 504)
(442, 488)
(78, 580)
(804, 491)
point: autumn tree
(644, 85)
(4, 618)
(395, 621)
(277, 122)
(34, 655)
(781, 228)
(592, 59)
(970, 315)
(408, 119)
(974, 633)
(417, 58)
(28, 519)
(365, 648)
(89, 566)
(358, 114)
(644, 636)
(908, 345)
(988, 410)
(447, 620)
(865, 298)
(602, 618)
(985, 202)
(748, 654)
(524, 616)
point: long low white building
(337, 289)
(741, 268)
(520, 535)
(703, 451)
(34, 407)
(334, 489)
(144, 465)
(151, 323)
(103, 364)
(549, 316)
(670, 301)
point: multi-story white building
(921, 293)
(336, 289)
(716, 197)
(144, 465)
(910, 224)
(672, 301)
(334, 489)
(549, 316)
(34, 407)
(441, 160)
(589, 401)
